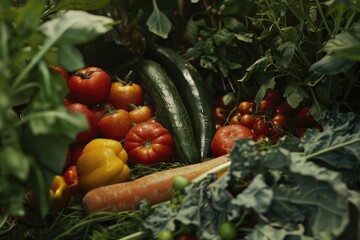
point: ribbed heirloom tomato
(224, 138)
(148, 143)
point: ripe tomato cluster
(116, 110)
(268, 121)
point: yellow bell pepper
(102, 162)
(59, 193)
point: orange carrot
(155, 188)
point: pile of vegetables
(215, 119)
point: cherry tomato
(227, 101)
(122, 95)
(284, 108)
(246, 107)
(224, 139)
(115, 125)
(61, 71)
(227, 231)
(304, 118)
(186, 237)
(148, 143)
(218, 126)
(235, 119)
(261, 127)
(220, 115)
(180, 183)
(274, 95)
(279, 120)
(71, 178)
(265, 106)
(89, 86)
(247, 120)
(89, 134)
(141, 114)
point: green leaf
(346, 44)
(268, 232)
(295, 95)
(84, 5)
(77, 27)
(14, 163)
(337, 146)
(29, 15)
(331, 64)
(268, 84)
(287, 51)
(192, 30)
(70, 57)
(158, 23)
(318, 194)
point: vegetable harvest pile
(213, 119)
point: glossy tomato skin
(89, 86)
(235, 119)
(304, 118)
(247, 120)
(246, 107)
(224, 138)
(89, 134)
(266, 106)
(115, 125)
(220, 115)
(149, 143)
(122, 95)
(102, 109)
(141, 114)
(262, 127)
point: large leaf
(332, 64)
(158, 23)
(319, 195)
(337, 146)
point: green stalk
(323, 17)
(329, 149)
(38, 57)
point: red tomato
(68, 158)
(122, 95)
(262, 127)
(220, 115)
(71, 178)
(148, 143)
(247, 120)
(101, 109)
(279, 120)
(89, 134)
(235, 119)
(284, 108)
(265, 106)
(224, 138)
(246, 107)
(61, 71)
(115, 125)
(186, 237)
(218, 126)
(274, 95)
(304, 118)
(141, 114)
(227, 101)
(89, 86)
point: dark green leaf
(287, 51)
(70, 57)
(331, 64)
(84, 5)
(76, 27)
(295, 95)
(269, 84)
(158, 23)
(192, 30)
(14, 162)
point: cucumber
(170, 110)
(193, 92)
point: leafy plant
(35, 127)
(276, 193)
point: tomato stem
(85, 75)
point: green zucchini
(170, 109)
(193, 91)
